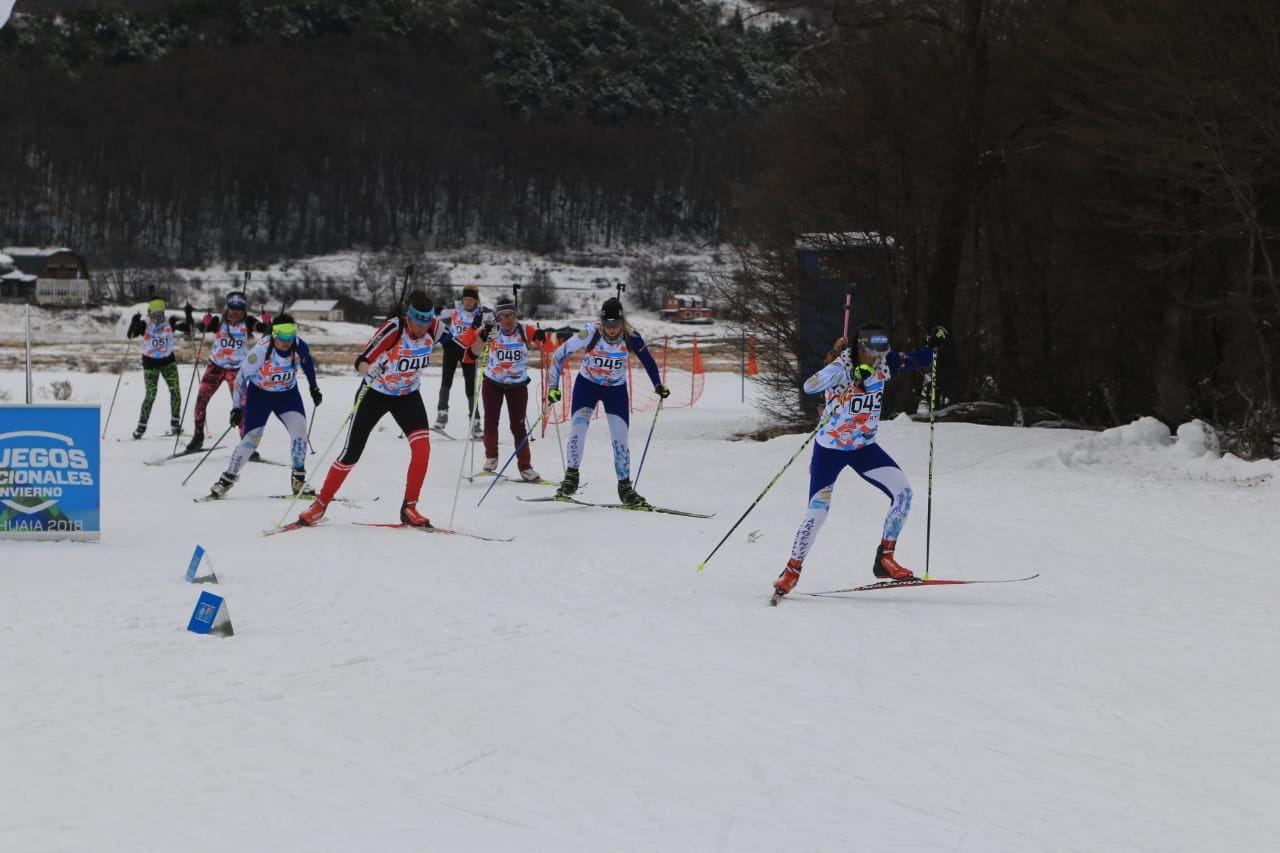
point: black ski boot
(569, 484)
(138, 433)
(298, 480)
(224, 484)
(196, 443)
(628, 494)
(175, 426)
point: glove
(371, 375)
(188, 309)
(316, 396)
(861, 373)
(540, 335)
(136, 326)
(938, 337)
(840, 346)
(207, 322)
(554, 395)
(663, 391)
(478, 321)
(237, 415)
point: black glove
(136, 326)
(478, 321)
(663, 391)
(316, 396)
(188, 309)
(237, 415)
(540, 335)
(938, 337)
(554, 396)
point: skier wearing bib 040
(603, 379)
(158, 361)
(267, 384)
(392, 363)
(466, 315)
(233, 335)
(853, 384)
(506, 377)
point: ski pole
(128, 348)
(471, 431)
(652, 424)
(772, 483)
(928, 515)
(310, 427)
(195, 368)
(208, 453)
(351, 414)
(513, 455)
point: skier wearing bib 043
(158, 361)
(853, 384)
(392, 364)
(233, 332)
(266, 385)
(466, 315)
(603, 379)
(506, 377)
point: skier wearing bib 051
(466, 315)
(158, 361)
(853, 383)
(603, 379)
(267, 384)
(233, 336)
(392, 364)
(506, 377)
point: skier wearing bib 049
(853, 384)
(468, 314)
(233, 335)
(603, 379)
(266, 385)
(392, 363)
(506, 377)
(158, 360)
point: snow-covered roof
(842, 240)
(18, 275)
(33, 250)
(313, 305)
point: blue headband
(422, 318)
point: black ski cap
(611, 309)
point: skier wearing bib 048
(506, 377)
(603, 379)
(466, 315)
(392, 364)
(266, 385)
(853, 384)
(158, 361)
(233, 335)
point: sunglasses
(285, 331)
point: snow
(583, 688)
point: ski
(918, 582)
(646, 507)
(209, 498)
(172, 456)
(256, 458)
(441, 432)
(293, 525)
(471, 478)
(432, 529)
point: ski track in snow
(582, 688)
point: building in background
(688, 308)
(317, 309)
(43, 276)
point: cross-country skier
(853, 383)
(464, 315)
(158, 360)
(233, 331)
(506, 377)
(267, 384)
(603, 379)
(392, 364)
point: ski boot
(196, 443)
(138, 433)
(491, 465)
(569, 484)
(409, 515)
(312, 514)
(297, 480)
(442, 419)
(887, 567)
(175, 426)
(529, 475)
(255, 456)
(787, 580)
(628, 494)
(224, 484)
(477, 431)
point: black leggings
(407, 409)
(452, 358)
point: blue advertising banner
(50, 462)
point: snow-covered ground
(582, 688)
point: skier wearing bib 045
(158, 361)
(266, 385)
(603, 379)
(392, 364)
(506, 377)
(233, 332)
(853, 383)
(466, 315)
